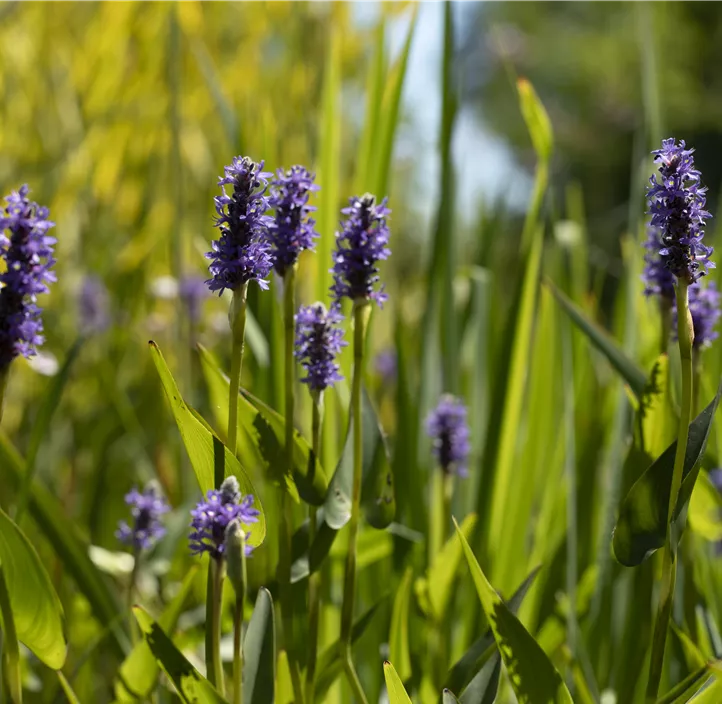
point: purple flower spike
(211, 517)
(146, 509)
(360, 245)
(704, 307)
(447, 427)
(242, 253)
(318, 342)
(28, 253)
(676, 204)
(292, 229)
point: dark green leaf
(631, 373)
(532, 675)
(259, 652)
(191, 686)
(642, 525)
(10, 663)
(484, 686)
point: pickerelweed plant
(676, 201)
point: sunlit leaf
(399, 633)
(532, 675)
(394, 686)
(259, 653)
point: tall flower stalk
(209, 523)
(236, 565)
(318, 342)
(27, 251)
(676, 203)
(290, 232)
(360, 245)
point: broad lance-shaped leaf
(377, 493)
(394, 686)
(533, 677)
(138, 673)
(262, 436)
(259, 652)
(469, 666)
(630, 371)
(642, 525)
(210, 458)
(70, 547)
(191, 686)
(399, 650)
(37, 611)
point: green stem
(362, 311)
(214, 607)
(237, 322)
(685, 335)
(238, 651)
(131, 592)
(284, 551)
(314, 579)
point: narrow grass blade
(11, 648)
(399, 650)
(67, 689)
(394, 686)
(259, 652)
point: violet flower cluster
(676, 204)
(360, 245)
(28, 253)
(146, 508)
(704, 307)
(292, 229)
(211, 517)
(242, 253)
(318, 342)
(448, 428)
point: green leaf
(436, 587)
(632, 374)
(11, 654)
(209, 457)
(447, 697)
(532, 675)
(262, 438)
(705, 509)
(689, 686)
(383, 146)
(377, 493)
(658, 422)
(329, 662)
(394, 686)
(138, 673)
(259, 652)
(536, 119)
(479, 653)
(399, 633)
(37, 611)
(70, 547)
(191, 686)
(642, 525)
(484, 686)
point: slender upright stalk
(129, 597)
(284, 547)
(4, 374)
(214, 602)
(238, 629)
(237, 321)
(362, 311)
(11, 655)
(314, 579)
(685, 334)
